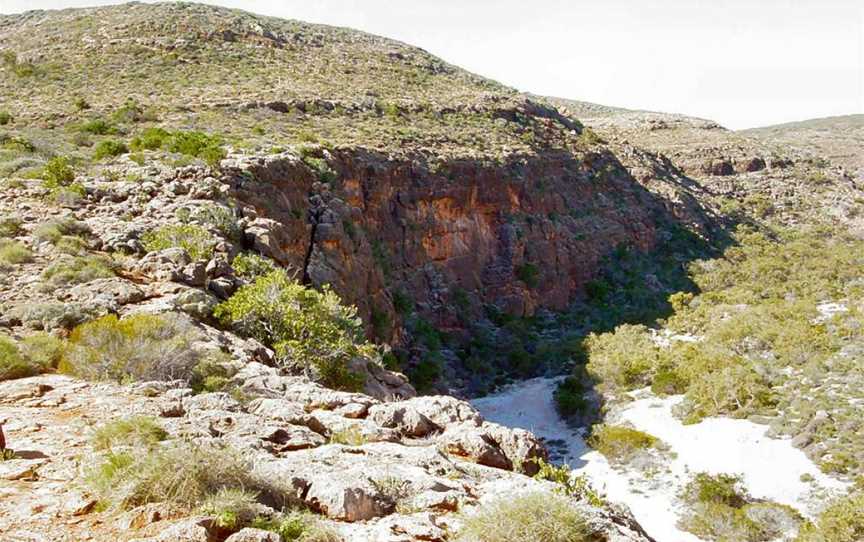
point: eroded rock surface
(440, 456)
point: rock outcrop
(415, 463)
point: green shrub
(403, 303)
(668, 382)
(526, 518)
(57, 173)
(717, 522)
(729, 386)
(139, 431)
(42, 349)
(222, 218)
(109, 148)
(69, 244)
(350, 436)
(13, 364)
(199, 145)
(138, 347)
(54, 230)
(16, 143)
(195, 240)
(233, 508)
(5, 118)
(98, 126)
(131, 111)
(569, 484)
(251, 266)
(529, 274)
(77, 270)
(841, 521)
(725, 489)
(298, 526)
(10, 226)
(623, 359)
(150, 139)
(69, 196)
(309, 330)
(321, 168)
(13, 253)
(570, 397)
(426, 373)
(183, 474)
(213, 373)
(720, 509)
(618, 443)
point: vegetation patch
(841, 521)
(720, 509)
(311, 331)
(195, 240)
(68, 271)
(10, 226)
(298, 526)
(194, 144)
(109, 148)
(182, 474)
(251, 266)
(138, 347)
(14, 364)
(137, 431)
(526, 518)
(568, 483)
(13, 253)
(619, 444)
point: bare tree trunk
(2, 439)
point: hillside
(838, 139)
(252, 271)
(428, 197)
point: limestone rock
(254, 535)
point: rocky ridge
(437, 450)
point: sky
(743, 63)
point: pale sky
(743, 63)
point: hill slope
(840, 139)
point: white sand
(771, 467)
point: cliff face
(519, 235)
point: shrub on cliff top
(182, 474)
(142, 431)
(138, 347)
(309, 329)
(195, 240)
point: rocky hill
(838, 139)
(423, 194)
(225, 237)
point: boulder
(468, 442)
(403, 417)
(346, 496)
(443, 410)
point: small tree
(307, 328)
